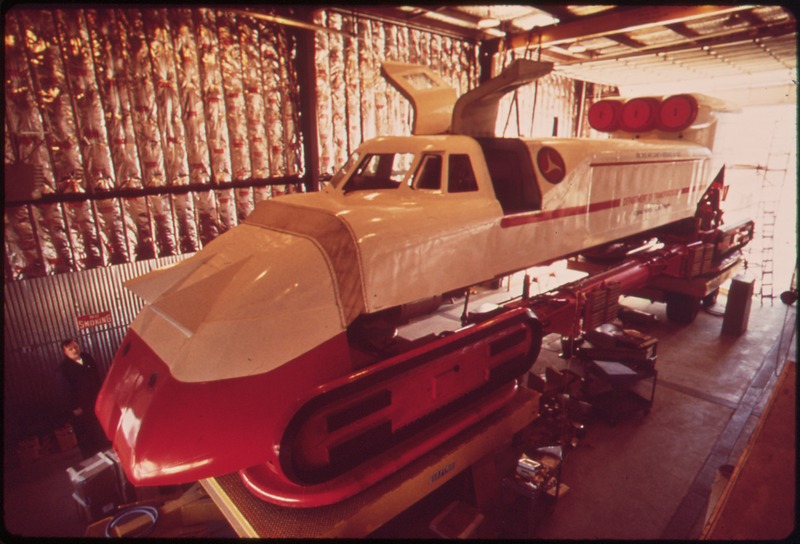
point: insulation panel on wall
(354, 102)
(113, 100)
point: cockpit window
(429, 173)
(380, 171)
(339, 175)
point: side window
(461, 178)
(429, 173)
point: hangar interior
(136, 136)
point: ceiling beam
(562, 56)
(751, 17)
(626, 40)
(421, 12)
(716, 39)
(628, 20)
(683, 30)
(466, 18)
(559, 11)
(413, 20)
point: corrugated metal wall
(38, 314)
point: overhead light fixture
(577, 47)
(291, 22)
(494, 32)
(489, 22)
(537, 19)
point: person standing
(84, 378)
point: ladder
(773, 177)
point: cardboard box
(29, 450)
(192, 514)
(458, 520)
(65, 436)
(127, 491)
(95, 486)
(89, 513)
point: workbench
(364, 513)
(615, 396)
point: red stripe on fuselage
(639, 163)
(538, 216)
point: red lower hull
(167, 431)
(299, 443)
(274, 487)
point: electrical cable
(514, 101)
(715, 313)
(122, 515)
(536, 86)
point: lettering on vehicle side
(652, 196)
(659, 155)
(442, 471)
(650, 208)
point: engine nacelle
(688, 117)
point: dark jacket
(84, 382)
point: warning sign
(93, 320)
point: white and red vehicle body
(247, 355)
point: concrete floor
(651, 476)
(37, 498)
(648, 477)
(773, 445)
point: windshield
(380, 171)
(339, 175)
